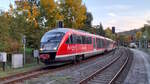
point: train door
(94, 45)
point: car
(132, 45)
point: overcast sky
(123, 14)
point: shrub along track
(20, 77)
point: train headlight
(41, 49)
(55, 48)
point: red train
(63, 44)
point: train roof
(65, 30)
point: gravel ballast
(74, 74)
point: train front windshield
(51, 40)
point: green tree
(74, 13)
(3, 32)
(108, 32)
(89, 19)
(138, 35)
(100, 30)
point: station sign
(3, 57)
(36, 53)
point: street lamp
(24, 46)
(145, 41)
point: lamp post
(145, 41)
(24, 46)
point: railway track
(37, 72)
(109, 73)
(27, 75)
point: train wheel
(74, 61)
(106, 51)
(78, 58)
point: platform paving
(139, 72)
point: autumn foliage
(32, 19)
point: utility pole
(24, 47)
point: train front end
(49, 46)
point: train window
(52, 37)
(89, 40)
(108, 43)
(86, 40)
(72, 39)
(83, 40)
(79, 40)
(76, 39)
(99, 43)
(103, 43)
(69, 40)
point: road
(139, 72)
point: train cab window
(52, 37)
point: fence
(29, 59)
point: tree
(89, 19)
(48, 9)
(100, 30)
(29, 10)
(14, 25)
(3, 32)
(121, 39)
(108, 32)
(146, 31)
(138, 35)
(74, 13)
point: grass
(10, 71)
